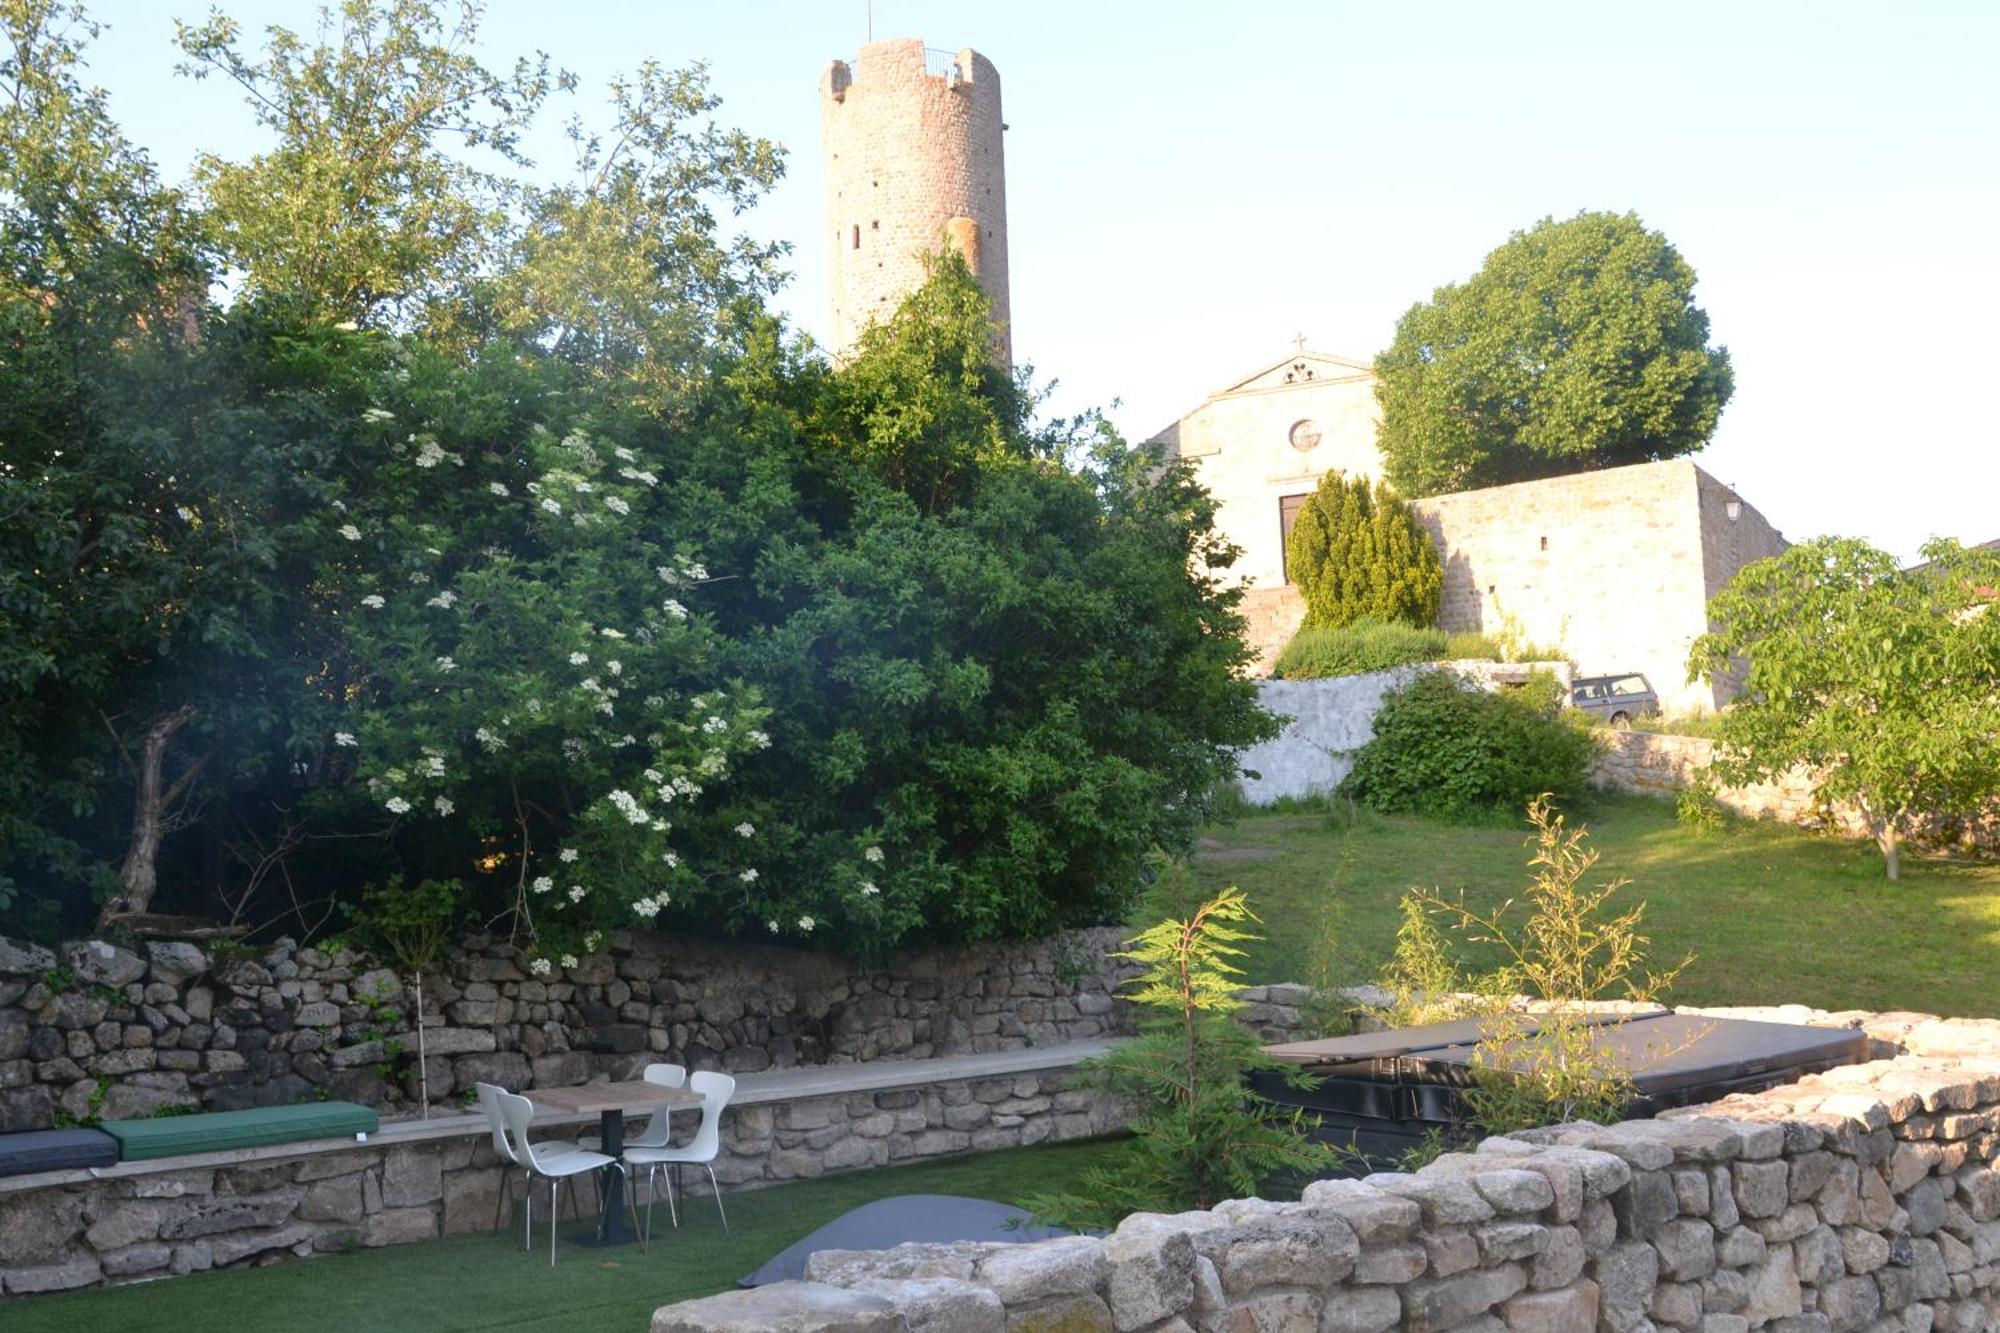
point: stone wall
(1863, 1200)
(422, 1180)
(1659, 765)
(95, 1028)
(1326, 721)
(1615, 566)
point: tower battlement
(911, 143)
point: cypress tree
(1357, 552)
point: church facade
(1614, 567)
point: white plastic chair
(660, 1128)
(716, 1090)
(515, 1114)
(490, 1108)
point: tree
(1883, 683)
(1358, 552)
(1576, 346)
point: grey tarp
(906, 1217)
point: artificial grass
(485, 1281)
(1772, 914)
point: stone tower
(911, 138)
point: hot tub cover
(260, 1126)
(886, 1223)
(1383, 1092)
(55, 1150)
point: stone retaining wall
(138, 1221)
(1653, 764)
(96, 1029)
(1863, 1200)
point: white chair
(490, 1108)
(557, 1167)
(716, 1090)
(660, 1128)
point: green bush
(1366, 645)
(1446, 749)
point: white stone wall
(913, 161)
(1326, 721)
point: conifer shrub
(1357, 552)
(1449, 750)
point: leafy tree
(361, 207)
(1357, 552)
(1197, 1136)
(1576, 346)
(1883, 682)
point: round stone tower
(911, 138)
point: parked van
(1615, 699)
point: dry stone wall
(99, 1029)
(1863, 1200)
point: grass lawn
(1772, 915)
(484, 1281)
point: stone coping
(777, 1086)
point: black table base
(614, 1228)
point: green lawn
(484, 1281)
(1772, 914)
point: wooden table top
(636, 1095)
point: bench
(55, 1150)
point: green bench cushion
(216, 1131)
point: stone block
(1151, 1276)
(1433, 1305)
(1065, 1314)
(1072, 1265)
(335, 1199)
(940, 1304)
(125, 1222)
(240, 1245)
(1569, 1310)
(38, 1227)
(136, 1259)
(79, 1271)
(782, 1307)
(397, 1226)
(96, 963)
(1360, 1310)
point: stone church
(1615, 567)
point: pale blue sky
(1191, 184)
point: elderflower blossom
(868, 889)
(749, 876)
(430, 455)
(578, 659)
(499, 488)
(773, 925)
(373, 601)
(634, 474)
(349, 531)
(569, 960)
(759, 738)
(397, 805)
(576, 892)
(446, 664)
(443, 599)
(543, 884)
(806, 924)
(344, 738)
(567, 855)
(488, 740)
(714, 724)
(377, 415)
(673, 608)
(551, 506)
(873, 856)
(574, 748)
(540, 967)
(628, 805)
(610, 633)
(592, 940)
(433, 764)
(744, 830)
(671, 859)
(615, 667)
(583, 487)
(647, 907)
(624, 455)
(444, 805)
(616, 505)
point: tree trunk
(138, 876)
(1885, 838)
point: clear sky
(1191, 184)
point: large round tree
(1576, 346)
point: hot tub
(1383, 1093)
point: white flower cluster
(617, 505)
(649, 906)
(429, 455)
(373, 601)
(541, 967)
(349, 531)
(375, 416)
(445, 599)
(746, 830)
(628, 805)
(489, 740)
(345, 738)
